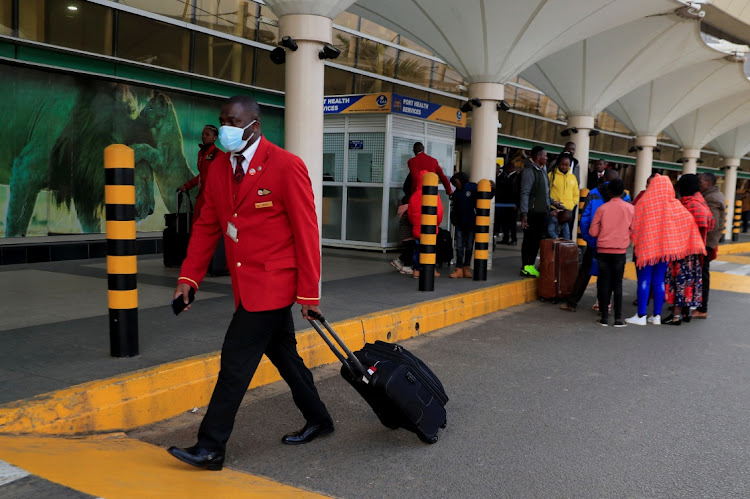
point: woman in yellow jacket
(563, 187)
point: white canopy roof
(491, 41)
(652, 107)
(587, 76)
(730, 16)
(702, 125)
(735, 143)
(325, 8)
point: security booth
(367, 142)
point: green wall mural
(55, 127)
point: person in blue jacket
(596, 198)
(463, 218)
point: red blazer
(276, 258)
(424, 163)
(206, 155)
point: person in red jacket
(415, 218)
(260, 200)
(206, 155)
(421, 162)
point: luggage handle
(187, 211)
(316, 317)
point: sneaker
(567, 308)
(530, 270)
(637, 320)
(397, 264)
(406, 270)
(620, 323)
(602, 322)
(655, 320)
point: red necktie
(239, 172)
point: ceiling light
(72, 7)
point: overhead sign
(387, 102)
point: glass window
(366, 157)
(445, 101)
(363, 213)
(367, 85)
(223, 59)
(347, 44)
(411, 92)
(235, 17)
(401, 153)
(443, 153)
(153, 42)
(268, 26)
(337, 81)
(332, 209)
(410, 44)
(521, 126)
(376, 57)
(6, 17)
(395, 195)
(333, 157)
(378, 31)
(268, 74)
(413, 69)
(447, 80)
(347, 20)
(75, 24)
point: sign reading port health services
(388, 102)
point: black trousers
(584, 276)
(532, 237)
(508, 223)
(706, 281)
(407, 252)
(611, 269)
(250, 335)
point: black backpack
(444, 249)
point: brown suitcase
(558, 268)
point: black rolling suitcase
(177, 232)
(400, 388)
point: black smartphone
(178, 304)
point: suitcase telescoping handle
(187, 210)
(352, 359)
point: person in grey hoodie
(717, 203)
(534, 207)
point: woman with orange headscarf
(684, 282)
(663, 231)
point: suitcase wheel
(445, 423)
(428, 440)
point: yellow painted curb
(734, 248)
(142, 397)
(115, 466)
(744, 260)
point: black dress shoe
(307, 434)
(199, 457)
(672, 321)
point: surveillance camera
(466, 107)
(594, 133)
(503, 106)
(329, 52)
(278, 55)
(475, 102)
(289, 43)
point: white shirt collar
(247, 156)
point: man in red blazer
(259, 198)
(421, 162)
(207, 153)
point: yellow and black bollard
(581, 204)
(737, 221)
(482, 230)
(428, 232)
(119, 196)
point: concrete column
(730, 191)
(484, 138)
(690, 158)
(582, 140)
(644, 161)
(303, 112)
(584, 125)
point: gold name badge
(267, 204)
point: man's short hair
(616, 187)
(688, 184)
(710, 177)
(246, 102)
(418, 147)
(536, 151)
(212, 128)
(570, 143)
(610, 175)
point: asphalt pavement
(543, 404)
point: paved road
(543, 404)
